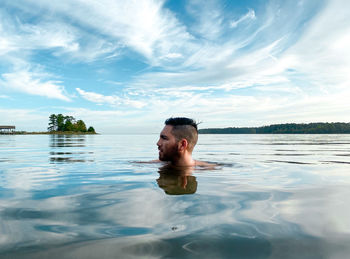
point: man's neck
(184, 161)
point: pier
(7, 129)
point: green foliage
(289, 128)
(68, 126)
(80, 126)
(61, 123)
(91, 129)
(52, 122)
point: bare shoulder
(206, 165)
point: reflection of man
(177, 141)
(177, 184)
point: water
(274, 196)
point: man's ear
(183, 144)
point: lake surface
(273, 196)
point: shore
(49, 133)
(286, 128)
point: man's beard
(171, 155)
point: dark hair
(184, 128)
(181, 121)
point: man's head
(178, 136)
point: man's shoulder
(206, 165)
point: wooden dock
(7, 129)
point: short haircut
(184, 128)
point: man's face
(167, 145)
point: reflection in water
(67, 140)
(264, 202)
(68, 160)
(59, 142)
(177, 181)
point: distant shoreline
(49, 133)
(287, 128)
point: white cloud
(18, 36)
(24, 119)
(5, 45)
(111, 99)
(223, 70)
(273, 74)
(322, 55)
(144, 26)
(47, 35)
(265, 68)
(209, 19)
(99, 98)
(19, 40)
(33, 83)
(250, 15)
(53, 34)
(172, 56)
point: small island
(58, 124)
(68, 124)
(288, 128)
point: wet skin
(172, 151)
(167, 145)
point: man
(177, 141)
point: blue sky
(126, 66)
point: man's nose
(158, 143)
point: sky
(125, 66)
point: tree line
(288, 128)
(62, 123)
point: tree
(69, 123)
(91, 129)
(52, 122)
(63, 123)
(80, 126)
(60, 122)
(288, 128)
(68, 126)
